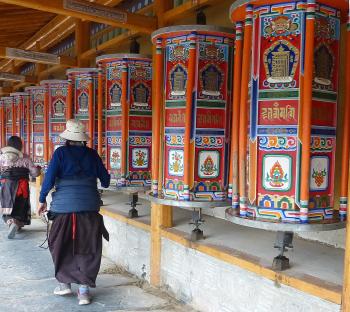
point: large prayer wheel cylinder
(196, 107)
(83, 82)
(39, 120)
(21, 101)
(56, 94)
(288, 108)
(10, 117)
(128, 98)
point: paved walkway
(27, 282)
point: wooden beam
(5, 90)
(82, 41)
(186, 9)
(86, 10)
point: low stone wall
(129, 247)
(211, 285)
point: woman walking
(15, 169)
(75, 239)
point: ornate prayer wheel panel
(84, 85)
(289, 112)
(38, 112)
(197, 65)
(128, 96)
(56, 101)
(9, 109)
(21, 100)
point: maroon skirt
(75, 243)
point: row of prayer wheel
(248, 117)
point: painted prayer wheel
(23, 117)
(195, 102)
(56, 97)
(9, 114)
(128, 98)
(39, 120)
(286, 96)
(83, 82)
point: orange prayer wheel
(128, 113)
(288, 109)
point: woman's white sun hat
(75, 131)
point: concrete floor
(27, 282)
(308, 258)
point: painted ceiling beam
(86, 10)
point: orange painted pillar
(69, 110)
(20, 115)
(158, 62)
(306, 111)
(237, 68)
(46, 128)
(28, 130)
(14, 118)
(243, 114)
(346, 138)
(188, 137)
(3, 124)
(100, 111)
(125, 120)
(91, 113)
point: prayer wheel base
(280, 263)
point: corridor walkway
(27, 282)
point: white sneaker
(63, 289)
(12, 231)
(84, 298)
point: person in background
(15, 168)
(75, 239)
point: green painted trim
(175, 104)
(324, 95)
(265, 95)
(211, 104)
(139, 113)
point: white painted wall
(128, 247)
(211, 285)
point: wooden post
(125, 120)
(188, 137)
(306, 110)
(70, 97)
(91, 112)
(82, 41)
(346, 124)
(345, 172)
(29, 132)
(161, 217)
(20, 115)
(100, 110)
(243, 114)
(233, 179)
(46, 126)
(156, 112)
(3, 124)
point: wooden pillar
(233, 179)
(3, 125)
(100, 129)
(161, 217)
(189, 135)
(20, 115)
(346, 283)
(346, 138)
(306, 110)
(70, 97)
(91, 112)
(158, 62)
(125, 120)
(28, 118)
(82, 41)
(243, 114)
(46, 127)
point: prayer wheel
(83, 82)
(39, 129)
(194, 100)
(21, 101)
(128, 112)
(56, 97)
(287, 62)
(10, 116)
